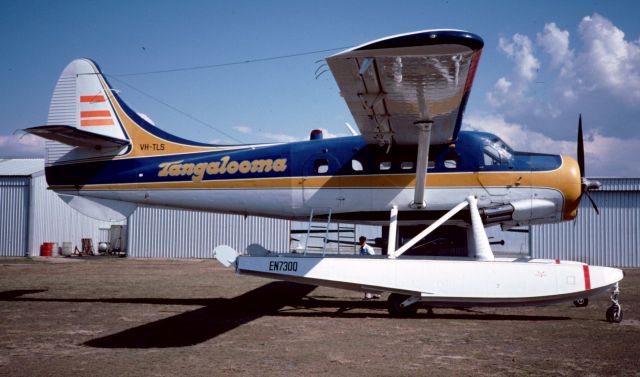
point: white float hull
(442, 281)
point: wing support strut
(479, 242)
(393, 231)
(424, 137)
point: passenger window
(450, 164)
(451, 161)
(407, 165)
(356, 165)
(321, 166)
(385, 165)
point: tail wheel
(395, 308)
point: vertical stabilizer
(80, 101)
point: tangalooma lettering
(224, 166)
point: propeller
(587, 185)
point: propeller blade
(593, 203)
(580, 147)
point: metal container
(67, 249)
(46, 250)
(103, 247)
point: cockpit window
(497, 153)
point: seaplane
(411, 165)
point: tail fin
(87, 119)
(80, 101)
(80, 115)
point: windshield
(497, 152)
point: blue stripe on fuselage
(302, 158)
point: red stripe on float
(587, 278)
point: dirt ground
(122, 317)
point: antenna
(353, 132)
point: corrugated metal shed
(348, 235)
(610, 239)
(14, 215)
(53, 220)
(30, 214)
(172, 233)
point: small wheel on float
(395, 308)
(581, 302)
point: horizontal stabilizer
(77, 137)
(100, 209)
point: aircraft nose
(571, 184)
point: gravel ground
(123, 317)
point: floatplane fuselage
(411, 165)
(360, 183)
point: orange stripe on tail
(96, 122)
(92, 99)
(95, 113)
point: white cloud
(517, 135)
(520, 50)
(605, 156)
(262, 136)
(500, 92)
(21, 145)
(329, 135)
(555, 42)
(280, 138)
(609, 62)
(243, 129)
(525, 67)
(597, 75)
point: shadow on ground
(219, 315)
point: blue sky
(543, 63)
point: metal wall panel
(53, 220)
(350, 233)
(172, 233)
(619, 184)
(610, 239)
(14, 216)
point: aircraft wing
(394, 83)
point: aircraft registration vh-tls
(411, 166)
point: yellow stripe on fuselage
(465, 179)
(563, 179)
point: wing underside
(393, 84)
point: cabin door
(321, 186)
